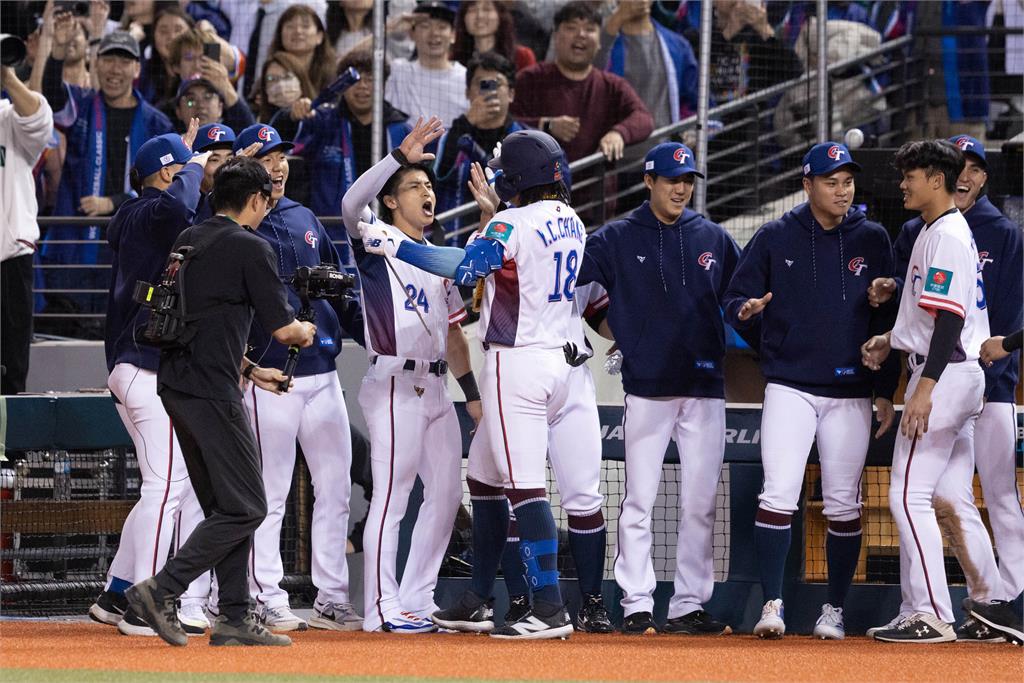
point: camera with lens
(166, 305)
(321, 282)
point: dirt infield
(88, 648)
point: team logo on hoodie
(857, 265)
(311, 238)
(706, 260)
(982, 260)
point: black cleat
(533, 626)
(698, 623)
(974, 631)
(593, 617)
(518, 607)
(159, 609)
(109, 608)
(472, 614)
(999, 615)
(918, 628)
(640, 624)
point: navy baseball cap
(671, 160)
(969, 145)
(827, 157)
(161, 151)
(196, 79)
(119, 41)
(435, 10)
(261, 132)
(214, 136)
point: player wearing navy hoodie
(1000, 266)
(313, 412)
(805, 278)
(665, 269)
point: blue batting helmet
(529, 158)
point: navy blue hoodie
(298, 239)
(665, 284)
(812, 329)
(1002, 263)
(141, 235)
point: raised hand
(250, 151)
(421, 135)
(483, 192)
(189, 138)
(753, 306)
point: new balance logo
(530, 624)
(640, 258)
(789, 263)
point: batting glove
(613, 364)
(376, 240)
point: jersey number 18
(571, 262)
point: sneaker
(472, 614)
(593, 616)
(974, 631)
(536, 627)
(131, 624)
(1001, 616)
(918, 628)
(279, 619)
(830, 623)
(158, 608)
(408, 623)
(249, 632)
(109, 608)
(193, 618)
(336, 616)
(771, 625)
(893, 623)
(640, 624)
(518, 607)
(698, 623)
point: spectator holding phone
(284, 94)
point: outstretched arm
(465, 266)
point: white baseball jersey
(943, 275)
(587, 299)
(530, 301)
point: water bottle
(62, 476)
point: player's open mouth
(428, 209)
(277, 183)
(963, 189)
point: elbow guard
(483, 257)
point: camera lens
(12, 50)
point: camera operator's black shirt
(235, 276)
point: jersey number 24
(564, 287)
(419, 297)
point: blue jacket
(1002, 262)
(665, 284)
(812, 329)
(141, 235)
(299, 239)
(680, 69)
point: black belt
(437, 367)
(918, 359)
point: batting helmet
(529, 158)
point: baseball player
(805, 279)
(1001, 261)
(941, 324)
(141, 235)
(574, 449)
(534, 252)
(413, 337)
(219, 140)
(664, 267)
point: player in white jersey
(941, 325)
(534, 251)
(412, 334)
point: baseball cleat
(336, 616)
(640, 624)
(280, 619)
(109, 608)
(830, 623)
(536, 627)
(193, 618)
(1000, 616)
(518, 607)
(408, 623)
(771, 625)
(974, 631)
(893, 623)
(472, 614)
(918, 628)
(158, 608)
(249, 632)
(131, 624)
(697, 623)
(593, 616)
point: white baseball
(854, 138)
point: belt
(916, 360)
(437, 367)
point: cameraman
(313, 411)
(232, 274)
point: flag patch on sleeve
(938, 281)
(498, 230)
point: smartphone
(212, 50)
(488, 85)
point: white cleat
(830, 623)
(336, 616)
(193, 618)
(407, 623)
(280, 619)
(771, 626)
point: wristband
(399, 156)
(247, 373)
(546, 126)
(468, 385)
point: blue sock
(118, 585)
(587, 537)
(490, 525)
(512, 566)
(772, 531)
(842, 550)
(538, 544)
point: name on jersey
(564, 227)
(938, 281)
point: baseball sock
(512, 566)
(772, 532)
(842, 550)
(538, 546)
(587, 541)
(490, 524)
(118, 585)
